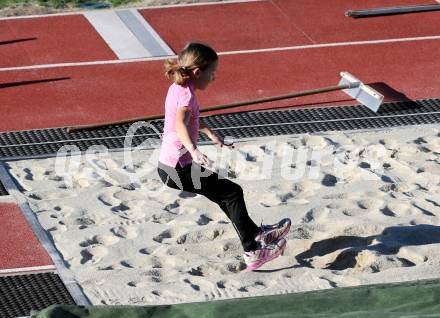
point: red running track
(281, 23)
(50, 40)
(19, 246)
(103, 93)
(226, 26)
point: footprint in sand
(138, 283)
(163, 218)
(275, 199)
(129, 195)
(390, 143)
(316, 142)
(199, 283)
(152, 185)
(204, 220)
(93, 254)
(156, 275)
(105, 240)
(205, 235)
(51, 195)
(248, 155)
(334, 206)
(370, 204)
(425, 207)
(35, 174)
(368, 261)
(147, 250)
(373, 153)
(336, 196)
(134, 262)
(168, 234)
(235, 266)
(108, 199)
(397, 209)
(316, 214)
(254, 287)
(125, 232)
(354, 212)
(329, 180)
(131, 210)
(306, 188)
(66, 212)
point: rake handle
(219, 107)
(391, 10)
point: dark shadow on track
(394, 96)
(17, 41)
(8, 85)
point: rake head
(364, 94)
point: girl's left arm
(212, 135)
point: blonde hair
(194, 55)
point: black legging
(227, 194)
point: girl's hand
(220, 141)
(199, 157)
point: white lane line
(31, 67)
(82, 11)
(117, 35)
(324, 45)
(268, 50)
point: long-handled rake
(349, 84)
(375, 12)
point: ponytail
(194, 55)
(175, 72)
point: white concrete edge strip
(65, 274)
(287, 48)
(35, 269)
(152, 32)
(117, 35)
(79, 12)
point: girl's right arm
(183, 115)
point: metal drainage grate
(22, 293)
(236, 125)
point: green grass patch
(63, 4)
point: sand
(365, 208)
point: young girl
(182, 165)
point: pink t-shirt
(172, 150)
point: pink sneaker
(274, 232)
(264, 254)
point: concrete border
(65, 274)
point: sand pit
(365, 209)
